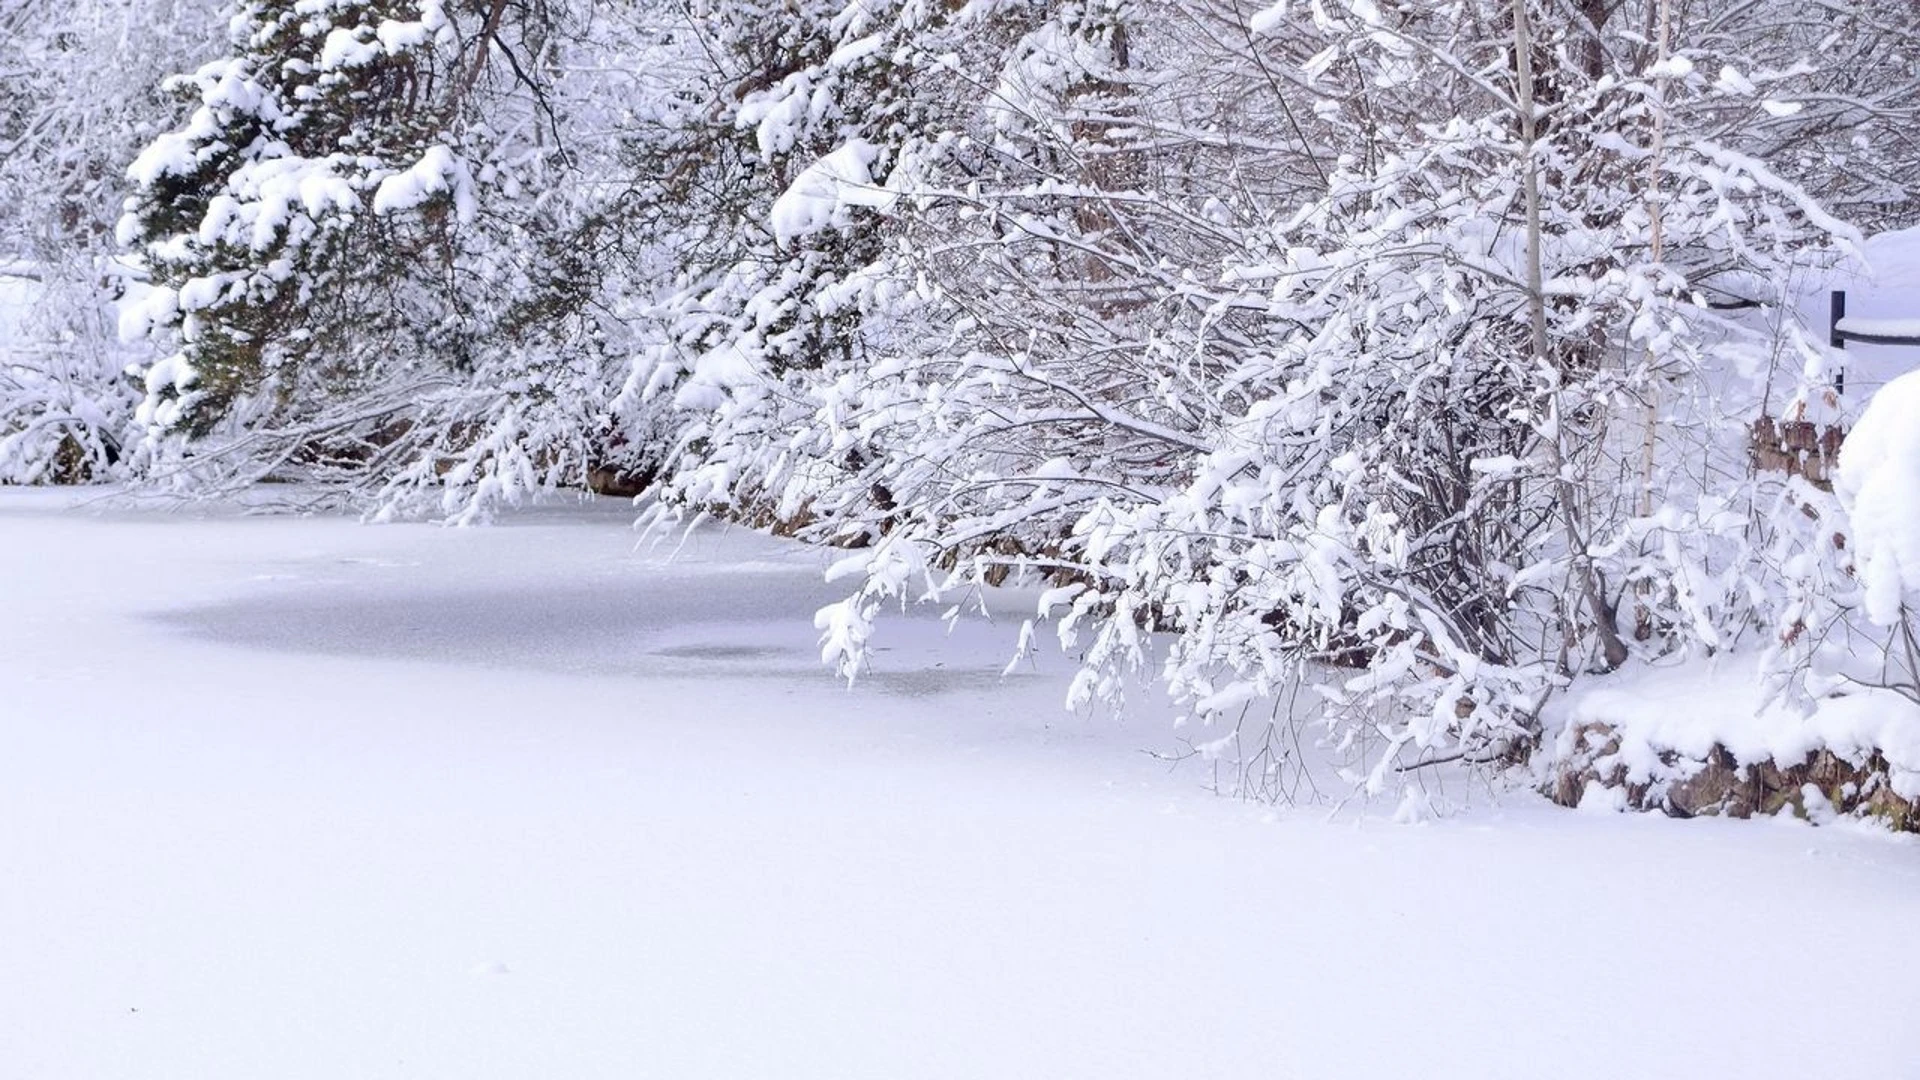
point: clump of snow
(145, 307)
(1878, 482)
(169, 384)
(345, 49)
(348, 47)
(715, 375)
(397, 37)
(825, 191)
(777, 115)
(437, 172)
(1731, 81)
(1673, 67)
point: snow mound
(1878, 482)
(1655, 728)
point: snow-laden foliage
(1348, 351)
(1829, 96)
(1879, 484)
(366, 266)
(77, 100)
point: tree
(372, 267)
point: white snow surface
(300, 798)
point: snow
(1882, 295)
(1672, 67)
(295, 797)
(397, 37)
(1908, 328)
(344, 49)
(820, 197)
(171, 154)
(1691, 708)
(1878, 482)
(437, 172)
(20, 297)
(1733, 82)
(715, 374)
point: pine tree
(374, 269)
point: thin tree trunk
(1586, 578)
(1643, 617)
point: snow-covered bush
(1352, 351)
(65, 404)
(76, 101)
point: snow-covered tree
(372, 265)
(1829, 97)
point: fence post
(1836, 312)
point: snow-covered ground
(295, 797)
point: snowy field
(299, 798)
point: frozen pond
(300, 798)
